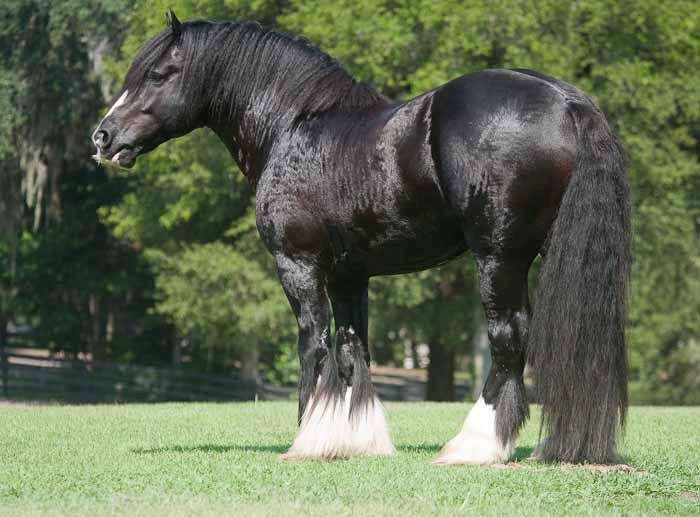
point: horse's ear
(174, 24)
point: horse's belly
(414, 249)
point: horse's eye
(156, 78)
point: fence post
(3, 357)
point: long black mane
(239, 66)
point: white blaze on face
(98, 156)
(120, 101)
(477, 442)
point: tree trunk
(410, 357)
(98, 343)
(249, 365)
(177, 350)
(6, 301)
(109, 328)
(210, 359)
(441, 373)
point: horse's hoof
(469, 448)
(290, 456)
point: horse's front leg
(339, 413)
(304, 283)
(323, 419)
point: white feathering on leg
(370, 430)
(328, 431)
(477, 442)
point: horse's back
(504, 145)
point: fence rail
(31, 376)
(34, 375)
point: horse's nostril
(102, 138)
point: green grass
(213, 459)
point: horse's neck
(267, 93)
(249, 126)
(248, 131)
(248, 154)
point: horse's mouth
(124, 157)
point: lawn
(214, 459)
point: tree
(96, 260)
(76, 283)
(190, 210)
(433, 307)
(637, 59)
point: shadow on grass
(215, 449)
(522, 453)
(422, 448)
(278, 449)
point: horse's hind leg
(490, 430)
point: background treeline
(162, 264)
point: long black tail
(577, 336)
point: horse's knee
(313, 342)
(313, 355)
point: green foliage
(434, 306)
(79, 288)
(188, 190)
(219, 298)
(148, 18)
(191, 212)
(185, 210)
(375, 40)
(190, 209)
(638, 59)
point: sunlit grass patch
(214, 459)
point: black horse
(508, 164)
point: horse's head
(153, 106)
